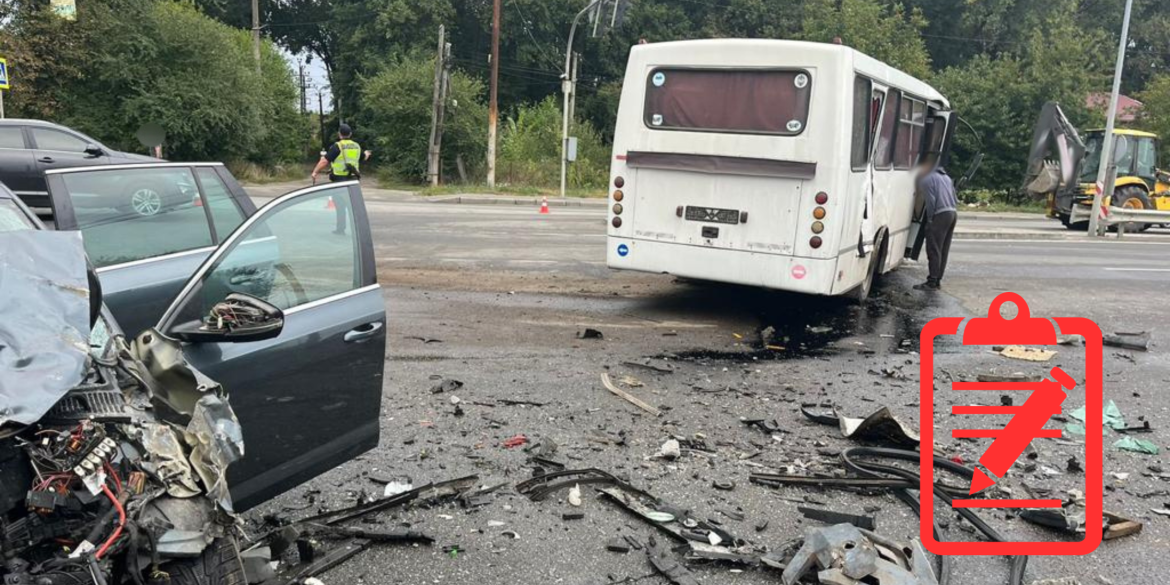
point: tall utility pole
(321, 116)
(438, 109)
(256, 33)
(1107, 175)
(301, 67)
(567, 89)
(493, 106)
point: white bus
(781, 164)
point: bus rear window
(737, 101)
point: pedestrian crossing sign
(3, 73)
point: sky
(317, 79)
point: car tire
(860, 295)
(219, 564)
(1133, 197)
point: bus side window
(864, 117)
(884, 158)
(911, 127)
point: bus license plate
(712, 215)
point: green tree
(1156, 114)
(887, 33)
(125, 63)
(396, 106)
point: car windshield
(11, 218)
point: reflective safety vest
(351, 154)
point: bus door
(938, 138)
(881, 151)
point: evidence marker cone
(544, 205)
(331, 204)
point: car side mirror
(93, 150)
(239, 318)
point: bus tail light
(619, 182)
(618, 195)
(617, 222)
(819, 213)
(822, 198)
(815, 242)
(818, 227)
(617, 208)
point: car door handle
(46, 159)
(363, 332)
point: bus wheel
(1133, 197)
(861, 294)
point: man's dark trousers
(939, 231)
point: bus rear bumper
(775, 271)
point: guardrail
(1119, 216)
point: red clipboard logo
(1026, 423)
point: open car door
(147, 227)
(307, 388)
(939, 135)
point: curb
(534, 201)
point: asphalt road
(495, 295)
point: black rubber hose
(1019, 562)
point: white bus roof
(777, 53)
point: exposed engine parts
(88, 497)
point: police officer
(344, 161)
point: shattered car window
(11, 219)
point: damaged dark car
(126, 460)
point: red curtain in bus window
(737, 101)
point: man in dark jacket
(941, 214)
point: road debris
(653, 367)
(1139, 341)
(1110, 417)
(845, 555)
(609, 385)
(665, 563)
(516, 441)
(1028, 354)
(1117, 526)
(575, 496)
(1136, 445)
(669, 450)
(1016, 377)
(590, 334)
(831, 517)
(881, 426)
(446, 385)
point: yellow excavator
(1062, 168)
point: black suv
(28, 148)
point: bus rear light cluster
(617, 222)
(815, 242)
(819, 213)
(822, 198)
(617, 209)
(619, 182)
(618, 195)
(818, 227)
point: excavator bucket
(1057, 151)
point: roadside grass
(481, 189)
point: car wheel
(1133, 197)
(146, 201)
(219, 564)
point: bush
(530, 152)
(396, 114)
(125, 63)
